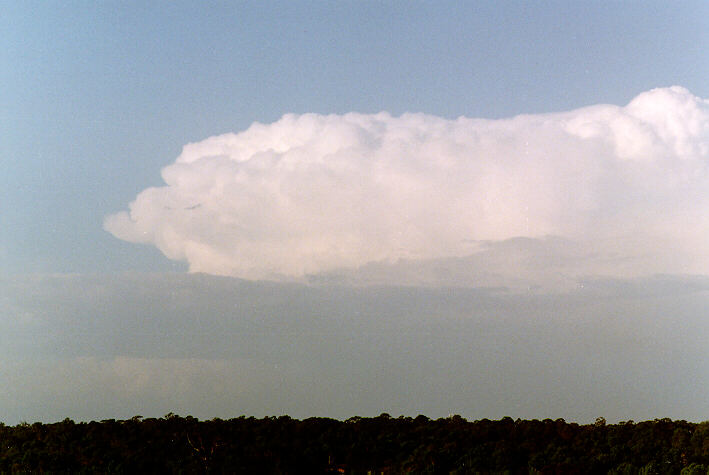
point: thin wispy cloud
(312, 194)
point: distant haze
(117, 346)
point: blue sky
(98, 98)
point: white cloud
(312, 194)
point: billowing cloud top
(625, 189)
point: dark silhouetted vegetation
(280, 445)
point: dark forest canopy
(359, 445)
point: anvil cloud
(623, 188)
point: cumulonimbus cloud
(312, 193)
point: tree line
(359, 445)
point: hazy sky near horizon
(414, 207)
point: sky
(334, 209)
